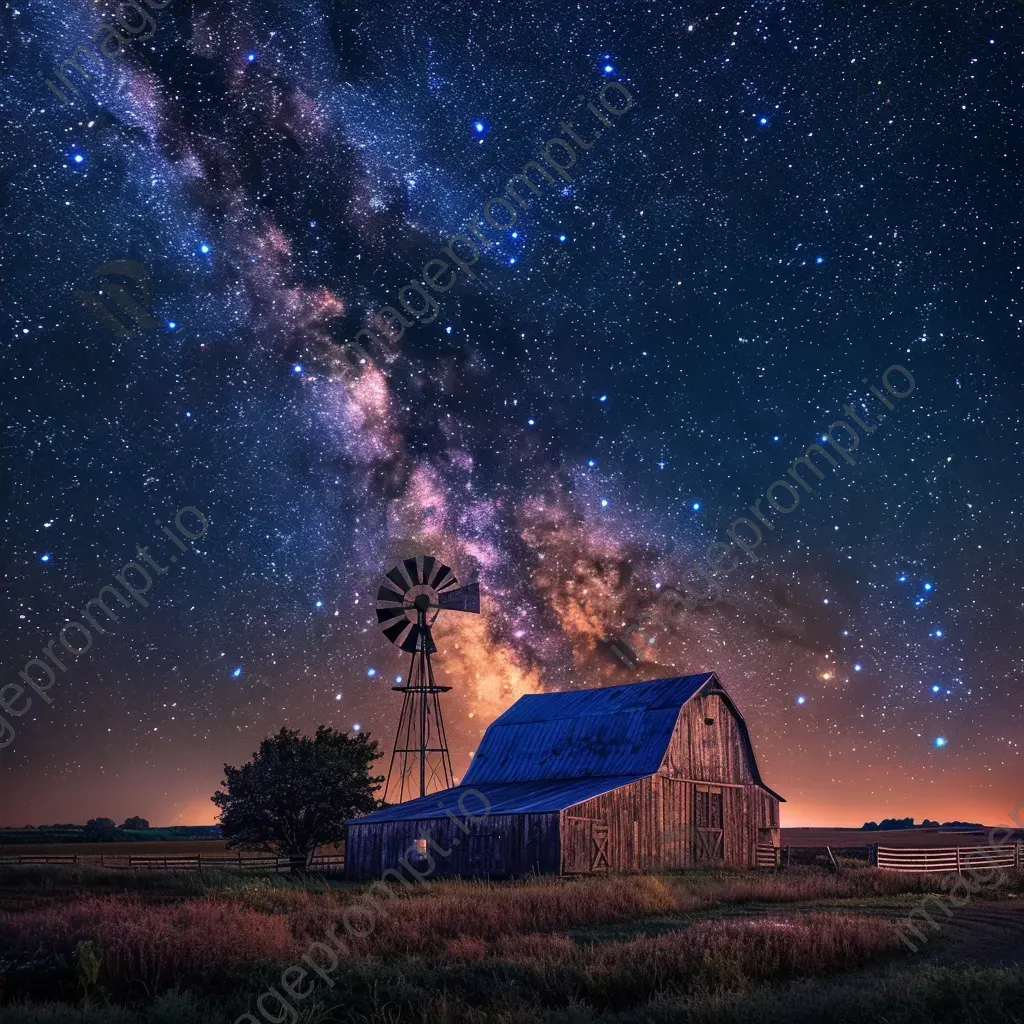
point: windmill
(409, 600)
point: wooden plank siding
(652, 824)
(707, 753)
(497, 846)
(629, 848)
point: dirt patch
(989, 934)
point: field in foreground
(840, 838)
(896, 837)
(81, 946)
(157, 848)
(170, 847)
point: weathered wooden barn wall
(707, 752)
(651, 825)
(703, 807)
(496, 846)
(622, 843)
(766, 816)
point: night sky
(800, 196)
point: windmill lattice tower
(409, 600)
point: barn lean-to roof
(502, 798)
(550, 751)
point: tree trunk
(298, 863)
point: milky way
(800, 197)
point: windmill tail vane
(409, 599)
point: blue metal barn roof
(502, 798)
(552, 750)
(582, 734)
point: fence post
(199, 862)
(958, 871)
(102, 865)
(1016, 855)
(239, 861)
(129, 861)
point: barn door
(599, 846)
(709, 821)
(584, 846)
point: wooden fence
(948, 859)
(767, 856)
(328, 862)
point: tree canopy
(297, 793)
(99, 830)
(135, 823)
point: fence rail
(329, 862)
(767, 856)
(948, 859)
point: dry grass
(404, 924)
(798, 885)
(709, 955)
(255, 922)
(155, 946)
(542, 949)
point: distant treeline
(106, 830)
(886, 823)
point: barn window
(708, 807)
(421, 847)
(709, 721)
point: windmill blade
(429, 561)
(388, 615)
(394, 631)
(402, 582)
(465, 599)
(445, 579)
(411, 642)
(388, 594)
(413, 569)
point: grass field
(85, 946)
(174, 847)
(803, 837)
(184, 847)
(899, 837)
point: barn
(643, 777)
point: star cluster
(801, 196)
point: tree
(135, 824)
(890, 823)
(297, 793)
(99, 830)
